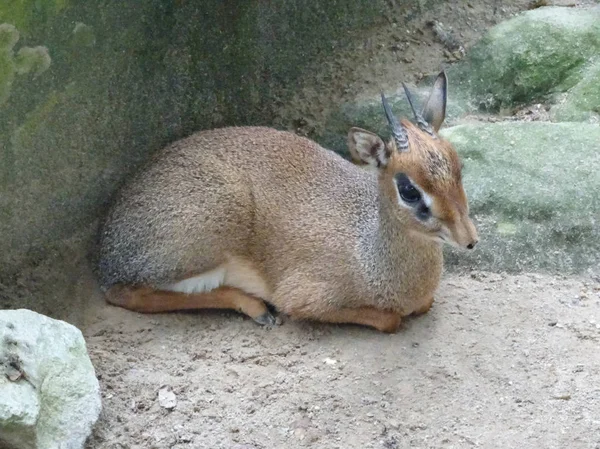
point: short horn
(398, 131)
(421, 122)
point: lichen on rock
(49, 394)
(28, 59)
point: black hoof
(266, 319)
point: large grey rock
(49, 394)
(533, 189)
(581, 103)
(531, 57)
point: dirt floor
(499, 362)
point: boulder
(49, 394)
(533, 189)
(581, 103)
(530, 57)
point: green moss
(582, 102)
(25, 13)
(36, 60)
(525, 59)
(533, 194)
(26, 60)
(8, 38)
(83, 35)
(24, 135)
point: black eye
(408, 193)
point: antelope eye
(408, 192)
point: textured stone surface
(49, 394)
(538, 53)
(533, 188)
(581, 103)
(368, 114)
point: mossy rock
(533, 190)
(27, 14)
(582, 102)
(529, 58)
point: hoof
(266, 319)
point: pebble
(167, 399)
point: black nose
(472, 245)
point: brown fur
(274, 216)
(435, 166)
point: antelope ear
(367, 148)
(434, 111)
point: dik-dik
(234, 218)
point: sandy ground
(499, 362)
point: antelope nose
(472, 244)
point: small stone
(329, 361)
(167, 399)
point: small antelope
(234, 218)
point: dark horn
(398, 131)
(421, 122)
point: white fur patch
(426, 198)
(199, 284)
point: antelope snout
(464, 233)
(471, 234)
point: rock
(532, 189)
(531, 56)
(581, 103)
(49, 394)
(167, 399)
(27, 59)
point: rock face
(533, 189)
(49, 394)
(534, 55)
(581, 103)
